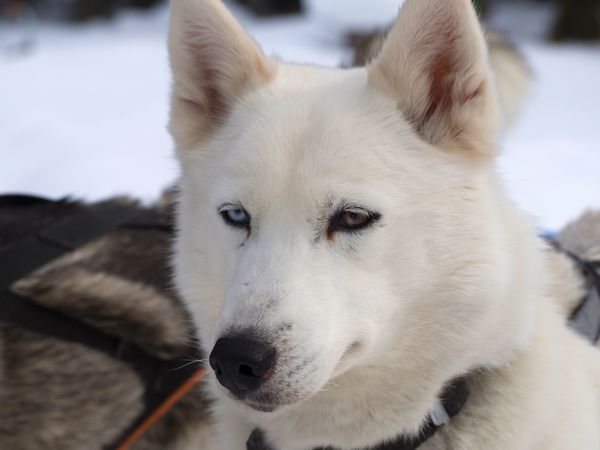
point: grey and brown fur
(581, 238)
(59, 395)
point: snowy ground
(84, 112)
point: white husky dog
(347, 249)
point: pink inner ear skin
(214, 63)
(434, 63)
(204, 75)
(446, 90)
(442, 75)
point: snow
(84, 112)
(356, 14)
(551, 159)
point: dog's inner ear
(214, 62)
(435, 65)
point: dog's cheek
(199, 260)
(383, 280)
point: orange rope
(163, 409)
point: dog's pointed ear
(214, 62)
(435, 65)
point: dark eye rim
(337, 224)
(229, 206)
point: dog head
(337, 219)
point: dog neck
(360, 409)
(452, 400)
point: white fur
(369, 327)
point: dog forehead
(306, 127)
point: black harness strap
(160, 377)
(30, 316)
(586, 317)
(20, 258)
(66, 234)
(56, 238)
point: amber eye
(355, 218)
(351, 219)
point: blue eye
(235, 216)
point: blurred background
(84, 92)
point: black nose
(241, 363)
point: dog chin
(270, 405)
(263, 407)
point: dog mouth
(352, 351)
(267, 403)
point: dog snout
(242, 363)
